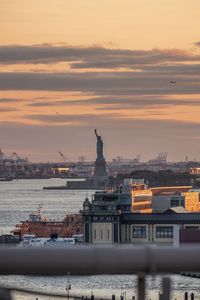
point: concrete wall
(102, 233)
(190, 236)
(161, 203)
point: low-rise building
(106, 227)
(163, 200)
(110, 218)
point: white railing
(85, 260)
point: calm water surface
(21, 197)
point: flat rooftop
(173, 218)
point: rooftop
(161, 217)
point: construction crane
(66, 160)
(64, 157)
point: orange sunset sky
(68, 67)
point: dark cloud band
(123, 83)
(91, 57)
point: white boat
(29, 240)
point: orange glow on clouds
(78, 65)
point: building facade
(110, 218)
(140, 195)
(159, 229)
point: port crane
(161, 158)
(137, 159)
(2, 155)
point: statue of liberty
(99, 146)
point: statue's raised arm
(96, 133)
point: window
(191, 227)
(95, 234)
(163, 232)
(139, 232)
(175, 203)
(108, 234)
(101, 234)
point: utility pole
(68, 287)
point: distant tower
(100, 173)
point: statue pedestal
(100, 173)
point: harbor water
(19, 198)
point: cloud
(90, 57)
(7, 109)
(114, 80)
(173, 70)
(123, 83)
(43, 104)
(113, 120)
(141, 101)
(8, 100)
(13, 54)
(121, 103)
(51, 103)
(197, 44)
(146, 71)
(71, 119)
